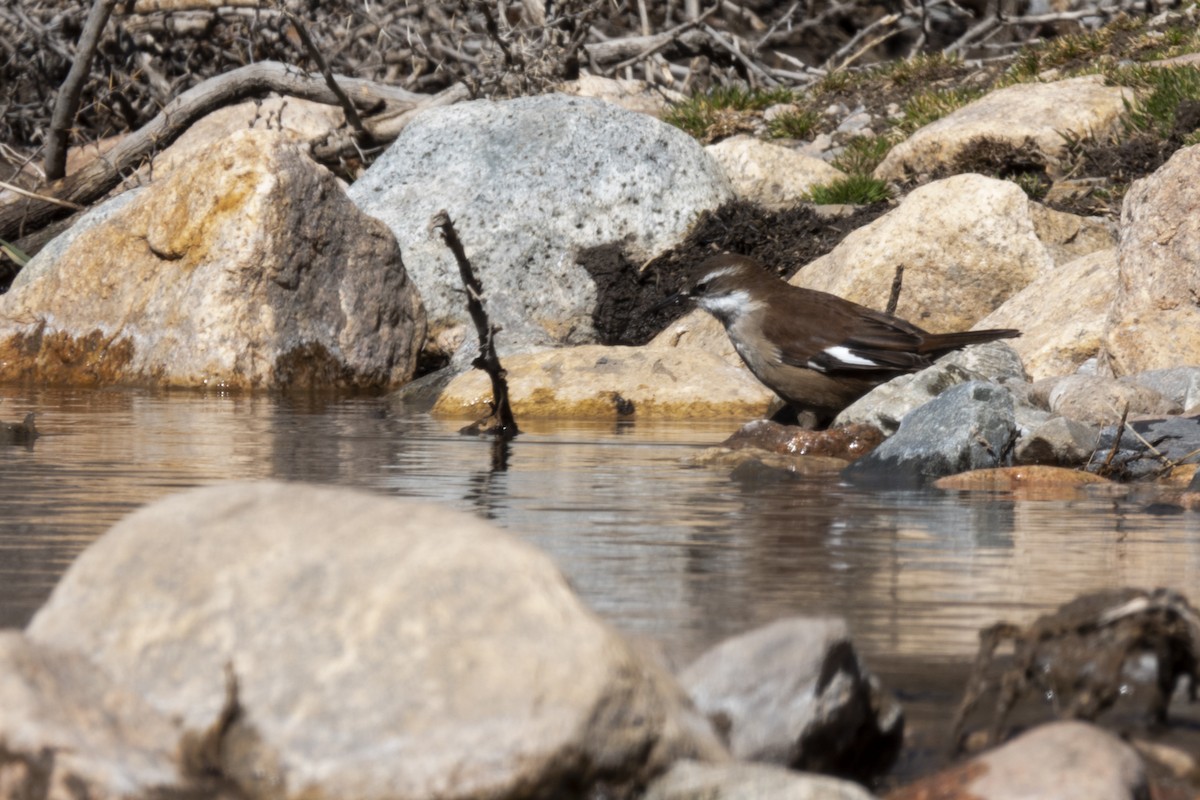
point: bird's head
(726, 286)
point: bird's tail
(936, 344)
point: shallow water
(678, 554)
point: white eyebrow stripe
(842, 354)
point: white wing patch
(839, 354)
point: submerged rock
(1063, 760)
(381, 649)
(693, 780)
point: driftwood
(501, 423)
(390, 105)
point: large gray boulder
(381, 649)
(530, 183)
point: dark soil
(783, 241)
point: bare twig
(897, 283)
(68, 95)
(1107, 466)
(504, 425)
(348, 108)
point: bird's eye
(700, 288)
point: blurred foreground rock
(381, 649)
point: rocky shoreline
(271, 641)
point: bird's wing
(876, 343)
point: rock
(694, 780)
(751, 466)
(292, 119)
(1101, 401)
(885, 406)
(629, 94)
(594, 381)
(530, 183)
(967, 244)
(1174, 439)
(1154, 321)
(1069, 236)
(1063, 760)
(1043, 116)
(247, 267)
(1025, 482)
(382, 649)
(1179, 385)
(1061, 315)
(68, 730)
(969, 426)
(770, 175)
(846, 442)
(1058, 442)
(795, 693)
(24, 432)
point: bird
(817, 351)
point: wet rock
(1058, 442)
(795, 693)
(526, 198)
(1155, 322)
(967, 244)
(1173, 439)
(1041, 116)
(757, 467)
(594, 381)
(969, 426)
(1056, 336)
(382, 649)
(68, 730)
(247, 267)
(1028, 482)
(887, 404)
(693, 780)
(1063, 760)
(1180, 385)
(771, 175)
(846, 442)
(1097, 400)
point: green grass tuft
(793, 125)
(705, 115)
(858, 190)
(863, 154)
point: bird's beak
(670, 300)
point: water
(678, 554)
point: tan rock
(1155, 318)
(699, 330)
(292, 118)
(247, 267)
(383, 650)
(68, 730)
(1062, 315)
(967, 244)
(1101, 401)
(693, 780)
(1063, 760)
(1070, 236)
(771, 175)
(845, 441)
(632, 95)
(1037, 113)
(594, 381)
(793, 464)
(1033, 482)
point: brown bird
(815, 350)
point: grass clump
(863, 154)
(928, 107)
(922, 68)
(857, 190)
(723, 110)
(793, 124)
(1162, 90)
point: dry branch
(23, 214)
